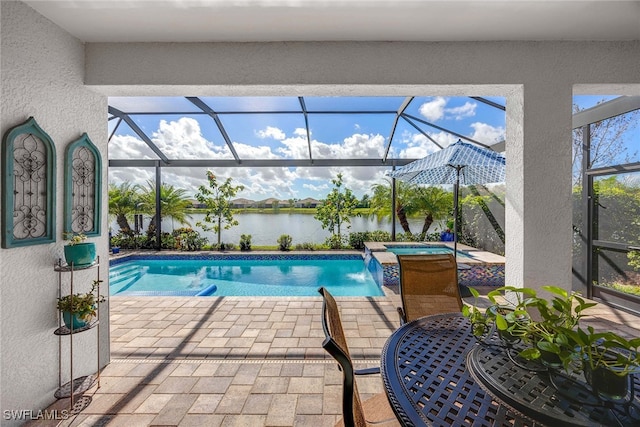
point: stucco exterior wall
(42, 76)
(307, 68)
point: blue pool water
(415, 250)
(235, 276)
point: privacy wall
(42, 76)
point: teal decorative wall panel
(82, 187)
(28, 186)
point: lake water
(266, 228)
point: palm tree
(380, 203)
(411, 200)
(122, 204)
(434, 203)
(173, 203)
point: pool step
(120, 278)
(117, 275)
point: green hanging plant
(82, 305)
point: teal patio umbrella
(459, 163)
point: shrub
(284, 242)
(357, 239)
(408, 237)
(336, 242)
(187, 239)
(245, 242)
(126, 241)
(379, 236)
(225, 246)
(307, 246)
(433, 237)
(168, 241)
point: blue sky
(186, 135)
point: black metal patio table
(436, 373)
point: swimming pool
(219, 275)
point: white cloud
(357, 179)
(182, 139)
(301, 132)
(354, 146)
(434, 109)
(246, 151)
(133, 175)
(361, 179)
(295, 148)
(466, 110)
(486, 133)
(129, 147)
(316, 188)
(271, 132)
(419, 146)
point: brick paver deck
(231, 361)
(235, 361)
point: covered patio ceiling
(389, 111)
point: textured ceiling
(341, 20)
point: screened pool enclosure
(279, 145)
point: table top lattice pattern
(569, 403)
(430, 385)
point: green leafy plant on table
(511, 313)
(548, 335)
(479, 319)
(606, 359)
(549, 331)
(510, 317)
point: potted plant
(607, 360)
(79, 309)
(447, 234)
(479, 319)
(549, 331)
(511, 314)
(77, 252)
(547, 335)
(510, 318)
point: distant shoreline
(280, 210)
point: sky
(188, 135)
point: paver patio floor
(242, 361)
(231, 361)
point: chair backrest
(335, 344)
(429, 285)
